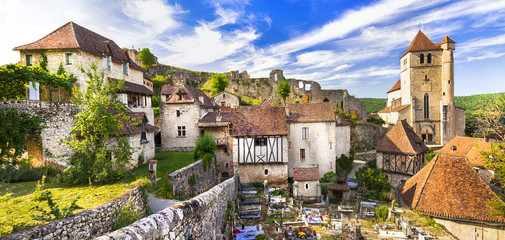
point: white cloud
(155, 14)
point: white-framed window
(29, 60)
(181, 131)
(305, 133)
(68, 58)
(302, 154)
(106, 63)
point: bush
(381, 213)
(164, 191)
(204, 149)
(430, 157)
(25, 172)
(278, 192)
(260, 236)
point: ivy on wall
(15, 77)
(15, 127)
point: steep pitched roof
(401, 139)
(211, 119)
(190, 95)
(305, 174)
(397, 86)
(74, 36)
(446, 40)
(311, 112)
(137, 88)
(258, 121)
(448, 186)
(468, 147)
(398, 109)
(421, 43)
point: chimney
(201, 99)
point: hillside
(470, 103)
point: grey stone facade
(88, 223)
(204, 179)
(204, 214)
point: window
(266, 171)
(68, 58)
(306, 185)
(426, 106)
(180, 96)
(224, 95)
(305, 133)
(181, 131)
(428, 59)
(29, 60)
(223, 103)
(430, 137)
(143, 138)
(386, 162)
(421, 59)
(403, 165)
(178, 113)
(226, 165)
(276, 77)
(106, 62)
(302, 154)
(260, 142)
(405, 61)
(331, 145)
(125, 69)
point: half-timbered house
(260, 146)
(401, 153)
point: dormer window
(453, 148)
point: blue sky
(354, 45)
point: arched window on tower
(426, 106)
(429, 58)
(421, 58)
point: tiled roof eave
(461, 218)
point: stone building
(449, 190)
(72, 46)
(141, 137)
(226, 99)
(260, 145)
(306, 184)
(401, 153)
(219, 124)
(424, 94)
(470, 148)
(182, 108)
(315, 137)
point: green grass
(15, 213)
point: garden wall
(204, 214)
(203, 180)
(88, 223)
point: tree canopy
(204, 149)
(219, 82)
(283, 90)
(148, 59)
(375, 184)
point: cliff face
(265, 88)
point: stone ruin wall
(89, 223)
(204, 214)
(367, 135)
(263, 88)
(203, 179)
(58, 119)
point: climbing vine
(15, 128)
(14, 78)
(43, 63)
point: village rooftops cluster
(401, 139)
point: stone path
(158, 204)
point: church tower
(424, 95)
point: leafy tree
(148, 59)
(96, 157)
(219, 82)
(375, 184)
(344, 163)
(283, 90)
(204, 149)
(430, 157)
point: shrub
(278, 192)
(260, 236)
(219, 82)
(127, 216)
(381, 213)
(204, 149)
(25, 172)
(430, 157)
(164, 191)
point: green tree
(148, 59)
(97, 157)
(204, 149)
(375, 184)
(344, 163)
(219, 82)
(283, 90)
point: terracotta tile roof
(468, 147)
(305, 174)
(190, 95)
(398, 109)
(401, 139)
(339, 187)
(421, 43)
(137, 88)
(448, 186)
(74, 36)
(446, 40)
(210, 119)
(258, 121)
(266, 103)
(397, 86)
(311, 112)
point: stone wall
(466, 230)
(58, 119)
(188, 118)
(204, 214)
(366, 135)
(88, 223)
(203, 179)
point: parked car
(352, 183)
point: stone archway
(427, 134)
(326, 100)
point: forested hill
(470, 103)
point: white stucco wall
(147, 149)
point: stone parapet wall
(88, 223)
(204, 179)
(204, 214)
